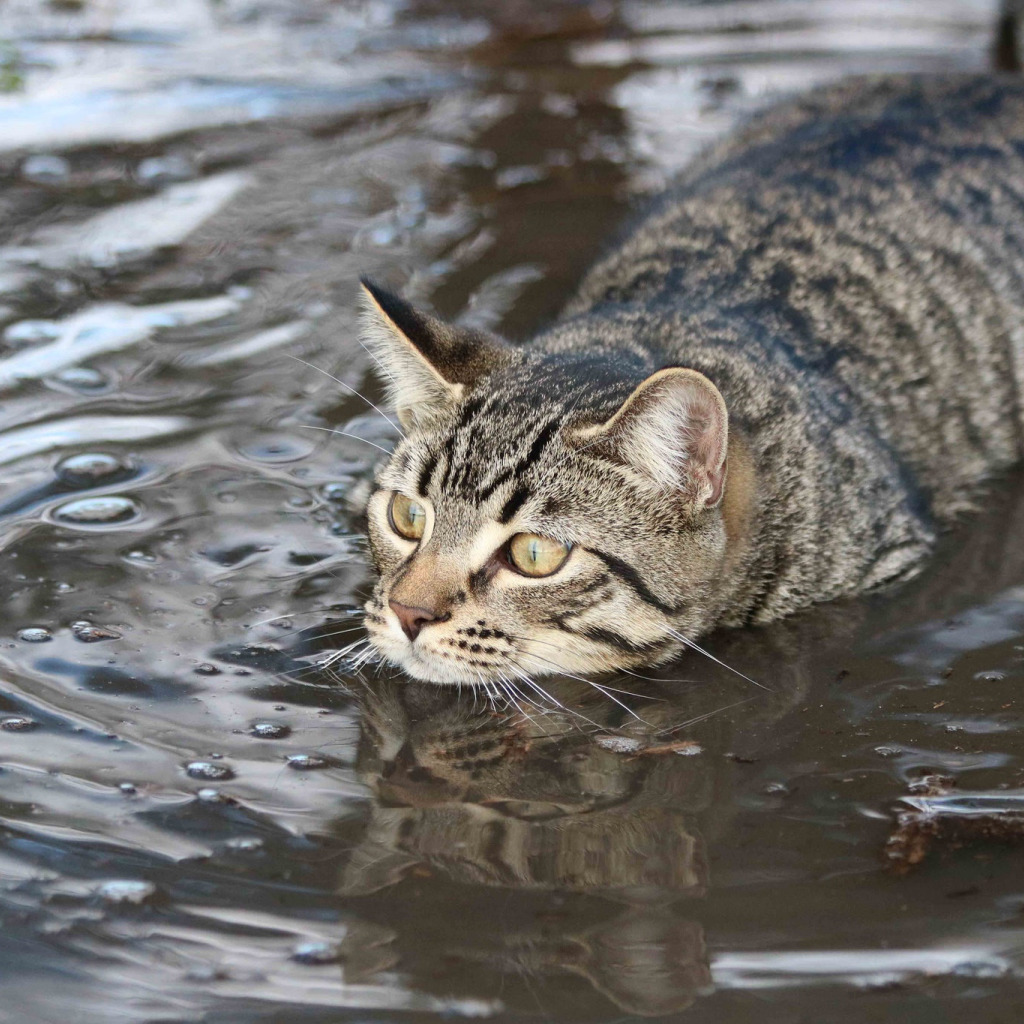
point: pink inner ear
(702, 430)
(717, 481)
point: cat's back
(868, 152)
(873, 233)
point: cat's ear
(674, 430)
(426, 364)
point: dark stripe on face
(606, 636)
(631, 578)
(425, 473)
(479, 579)
(540, 442)
(513, 505)
(469, 410)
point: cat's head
(544, 512)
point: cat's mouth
(471, 653)
(444, 659)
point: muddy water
(197, 823)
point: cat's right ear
(427, 365)
(672, 430)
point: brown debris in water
(935, 817)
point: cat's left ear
(673, 430)
(426, 364)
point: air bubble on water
(991, 675)
(275, 449)
(244, 844)
(307, 762)
(270, 731)
(31, 332)
(619, 744)
(335, 491)
(980, 969)
(315, 953)
(91, 468)
(124, 891)
(82, 378)
(103, 510)
(209, 770)
(158, 170)
(18, 723)
(35, 635)
(207, 973)
(46, 169)
(888, 751)
(87, 633)
(206, 669)
(128, 788)
(208, 795)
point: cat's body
(848, 273)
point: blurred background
(195, 823)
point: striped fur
(848, 273)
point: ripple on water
(274, 449)
(99, 512)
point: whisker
(369, 352)
(317, 636)
(707, 654)
(655, 679)
(572, 712)
(588, 682)
(350, 388)
(629, 693)
(707, 715)
(344, 433)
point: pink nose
(414, 618)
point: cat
(776, 387)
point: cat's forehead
(503, 447)
(490, 449)
(522, 411)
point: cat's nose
(413, 618)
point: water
(199, 824)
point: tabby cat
(773, 390)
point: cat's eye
(534, 555)
(408, 518)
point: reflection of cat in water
(542, 805)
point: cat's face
(542, 514)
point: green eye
(408, 518)
(534, 555)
